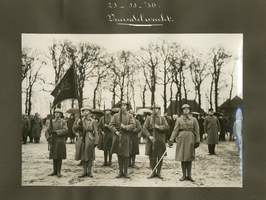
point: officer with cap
(186, 132)
(55, 134)
(212, 131)
(121, 126)
(90, 138)
(155, 128)
(107, 135)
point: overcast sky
(133, 42)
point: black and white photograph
(132, 110)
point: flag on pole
(66, 88)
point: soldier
(212, 131)
(187, 133)
(121, 129)
(134, 144)
(55, 134)
(37, 128)
(25, 128)
(90, 139)
(107, 135)
(155, 128)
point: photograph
(132, 110)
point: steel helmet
(186, 106)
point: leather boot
(130, 161)
(110, 159)
(153, 164)
(105, 158)
(125, 164)
(85, 165)
(54, 168)
(209, 148)
(133, 160)
(89, 168)
(213, 149)
(59, 165)
(120, 163)
(159, 167)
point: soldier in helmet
(186, 132)
(55, 134)
(155, 128)
(212, 130)
(121, 129)
(89, 129)
(107, 135)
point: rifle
(120, 132)
(153, 126)
(104, 130)
(50, 139)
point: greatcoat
(37, 127)
(186, 132)
(159, 135)
(120, 144)
(58, 146)
(86, 150)
(108, 137)
(134, 139)
(212, 127)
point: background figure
(37, 128)
(25, 128)
(201, 125)
(134, 141)
(107, 136)
(70, 123)
(212, 130)
(121, 129)
(31, 119)
(222, 123)
(155, 129)
(231, 120)
(186, 132)
(90, 138)
(237, 128)
(168, 133)
(55, 135)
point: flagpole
(79, 100)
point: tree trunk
(29, 100)
(143, 96)
(199, 99)
(171, 97)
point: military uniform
(120, 144)
(57, 131)
(156, 149)
(107, 138)
(211, 127)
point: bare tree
(165, 50)
(177, 60)
(198, 70)
(219, 57)
(26, 62)
(149, 61)
(85, 58)
(232, 84)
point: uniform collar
(187, 117)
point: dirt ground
(220, 170)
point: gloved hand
(196, 145)
(170, 143)
(53, 132)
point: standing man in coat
(25, 128)
(90, 138)
(37, 128)
(55, 134)
(212, 131)
(121, 130)
(186, 133)
(134, 143)
(156, 145)
(107, 135)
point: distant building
(174, 107)
(229, 107)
